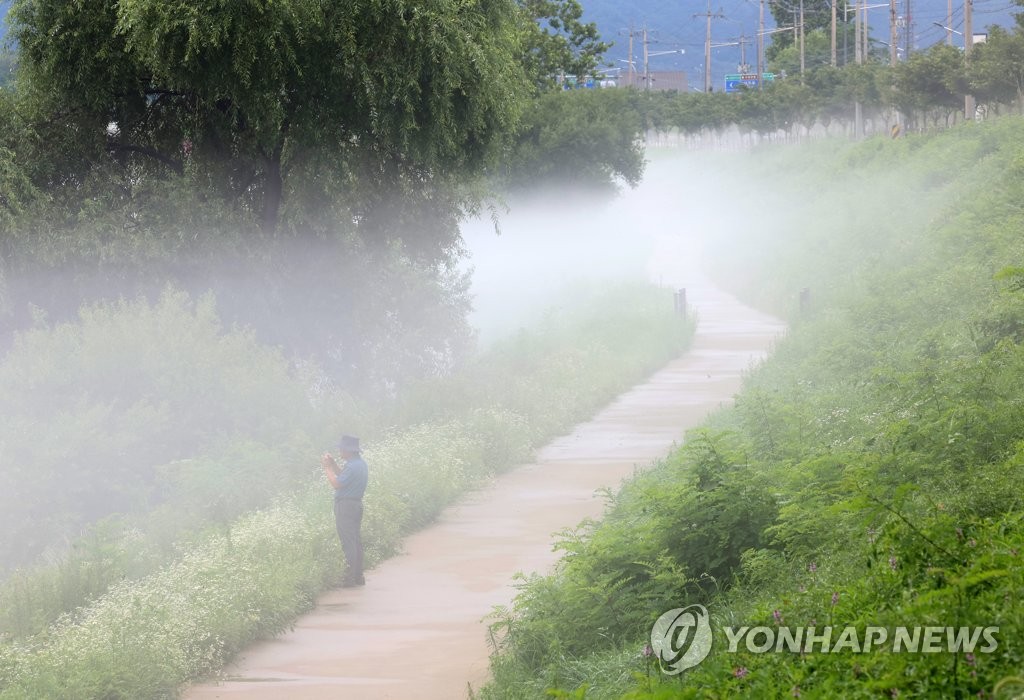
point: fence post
(805, 300)
(680, 298)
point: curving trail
(416, 630)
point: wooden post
(681, 302)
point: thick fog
(544, 247)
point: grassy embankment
(155, 599)
(870, 472)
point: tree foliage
(266, 98)
(325, 151)
(931, 79)
(817, 20)
(558, 43)
(996, 70)
(579, 137)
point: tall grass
(251, 575)
(868, 473)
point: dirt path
(416, 630)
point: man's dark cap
(348, 444)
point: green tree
(263, 98)
(817, 52)
(930, 82)
(579, 137)
(996, 70)
(558, 43)
(16, 188)
(6, 67)
(817, 17)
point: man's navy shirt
(352, 480)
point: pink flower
(740, 672)
(812, 567)
(970, 659)
(835, 598)
(648, 651)
(893, 563)
(778, 617)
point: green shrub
(191, 598)
(867, 474)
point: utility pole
(969, 106)
(707, 53)
(632, 77)
(858, 108)
(802, 63)
(910, 32)
(744, 66)
(949, 22)
(892, 33)
(835, 58)
(707, 46)
(865, 28)
(858, 51)
(647, 72)
(760, 48)
(846, 32)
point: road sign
(734, 82)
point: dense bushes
(867, 474)
(108, 415)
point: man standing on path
(349, 484)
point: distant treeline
(926, 91)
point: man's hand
(330, 468)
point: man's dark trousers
(348, 517)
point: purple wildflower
(740, 672)
(835, 599)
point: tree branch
(175, 165)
